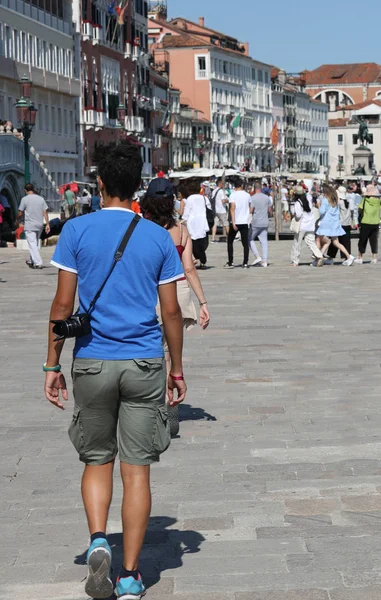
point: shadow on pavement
(163, 549)
(189, 413)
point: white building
(343, 137)
(302, 126)
(36, 39)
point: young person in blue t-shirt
(119, 378)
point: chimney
(201, 21)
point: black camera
(76, 326)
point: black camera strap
(117, 257)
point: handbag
(79, 324)
(209, 215)
(295, 225)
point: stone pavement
(273, 489)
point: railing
(89, 117)
(12, 160)
(97, 34)
(46, 18)
(87, 30)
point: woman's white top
(195, 216)
(306, 219)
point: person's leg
(332, 251)
(311, 243)
(97, 495)
(345, 240)
(32, 238)
(231, 237)
(143, 436)
(373, 241)
(263, 238)
(253, 233)
(204, 243)
(244, 231)
(136, 510)
(196, 249)
(214, 229)
(340, 247)
(323, 244)
(363, 239)
(295, 250)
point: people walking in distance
(219, 203)
(7, 213)
(330, 228)
(196, 221)
(305, 225)
(239, 205)
(369, 217)
(95, 201)
(260, 206)
(34, 210)
(84, 203)
(182, 194)
(119, 378)
(69, 202)
(157, 206)
(346, 207)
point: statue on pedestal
(363, 134)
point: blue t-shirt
(124, 321)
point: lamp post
(26, 115)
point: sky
(294, 35)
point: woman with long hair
(159, 208)
(195, 217)
(330, 228)
(305, 219)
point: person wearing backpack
(219, 202)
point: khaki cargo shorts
(119, 405)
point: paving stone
(269, 454)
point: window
(39, 117)
(54, 128)
(253, 74)
(340, 139)
(266, 76)
(66, 131)
(260, 76)
(46, 118)
(202, 64)
(355, 139)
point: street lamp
(26, 115)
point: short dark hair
(219, 180)
(120, 169)
(237, 181)
(160, 211)
(183, 190)
(29, 187)
(194, 186)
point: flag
(122, 12)
(275, 135)
(111, 8)
(237, 122)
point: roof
(337, 122)
(361, 105)
(183, 41)
(224, 35)
(343, 74)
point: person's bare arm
(62, 308)
(46, 217)
(194, 281)
(232, 215)
(173, 331)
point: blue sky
(294, 35)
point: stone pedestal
(363, 159)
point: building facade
(37, 40)
(343, 137)
(217, 77)
(303, 144)
(115, 74)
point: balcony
(134, 124)
(89, 118)
(157, 141)
(97, 35)
(100, 120)
(128, 50)
(87, 31)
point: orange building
(218, 78)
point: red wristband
(179, 378)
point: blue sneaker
(99, 584)
(129, 588)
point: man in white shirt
(34, 210)
(219, 200)
(239, 205)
